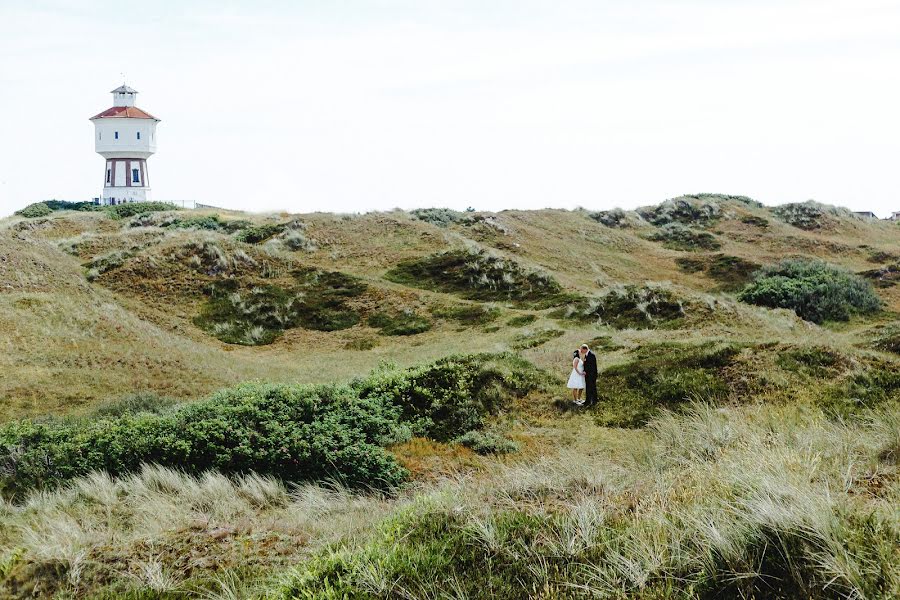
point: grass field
(738, 451)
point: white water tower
(125, 136)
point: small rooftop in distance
(124, 89)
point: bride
(576, 379)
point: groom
(590, 375)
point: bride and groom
(583, 377)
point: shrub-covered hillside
(212, 404)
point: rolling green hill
(407, 372)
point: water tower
(125, 136)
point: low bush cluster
(130, 209)
(522, 320)
(732, 272)
(755, 221)
(887, 339)
(107, 262)
(477, 275)
(533, 339)
(676, 236)
(294, 432)
(810, 215)
(455, 395)
(699, 209)
(400, 323)
(884, 277)
(258, 315)
(663, 376)
(259, 233)
(815, 290)
(614, 218)
(630, 306)
(441, 217)
(487, 442)
(467, 314)
(42, 209)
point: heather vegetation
(627, 306)
(731, 272)
(815, 290)
(477, 275)
(676, 236)
(700, 209)
(811, 215)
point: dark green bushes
(259, 233)
(487, 442)
(295, 432)
(402, 323)
(32, 211)
(43, 209)
(698, 209)
(732, 272)
(627, 307)
(522, 320)
(121, 211)
(454, 395)
(810, 215)
(535, 338)
(662, 376)
(441, 217)
(258, 315)
(467, 314)
(476, 275)
(676, 236)
(815, 290)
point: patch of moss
(401, 323)
(732, 272)
(627, 307)
(477, 275)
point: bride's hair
(575, 354)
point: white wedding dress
(576, 379)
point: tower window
(139, 135)
(135, 176)
(117, 135)
(108, 175)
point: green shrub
(755, 221)
(885, 277)
(888, 339)
(535, 338)
(38, 209)
(810, 215)
(259, 233)
(402, 323)
(662, 376)
(258, 315)
(467, 314)
(107, 262)
(732, 272)
(441, 217)
(487, 442)
(294, 432)
(456, 394)
(815, 290)
(676, 236)
(627, 307)
(522, 320)
(77, 206)
(132, 404)
(688, 210)
(476, 275)
(130, 209)
(614, 218)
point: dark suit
(590, 378)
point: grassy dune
(184, 396)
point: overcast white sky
(364, 105)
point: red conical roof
(124, 112)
